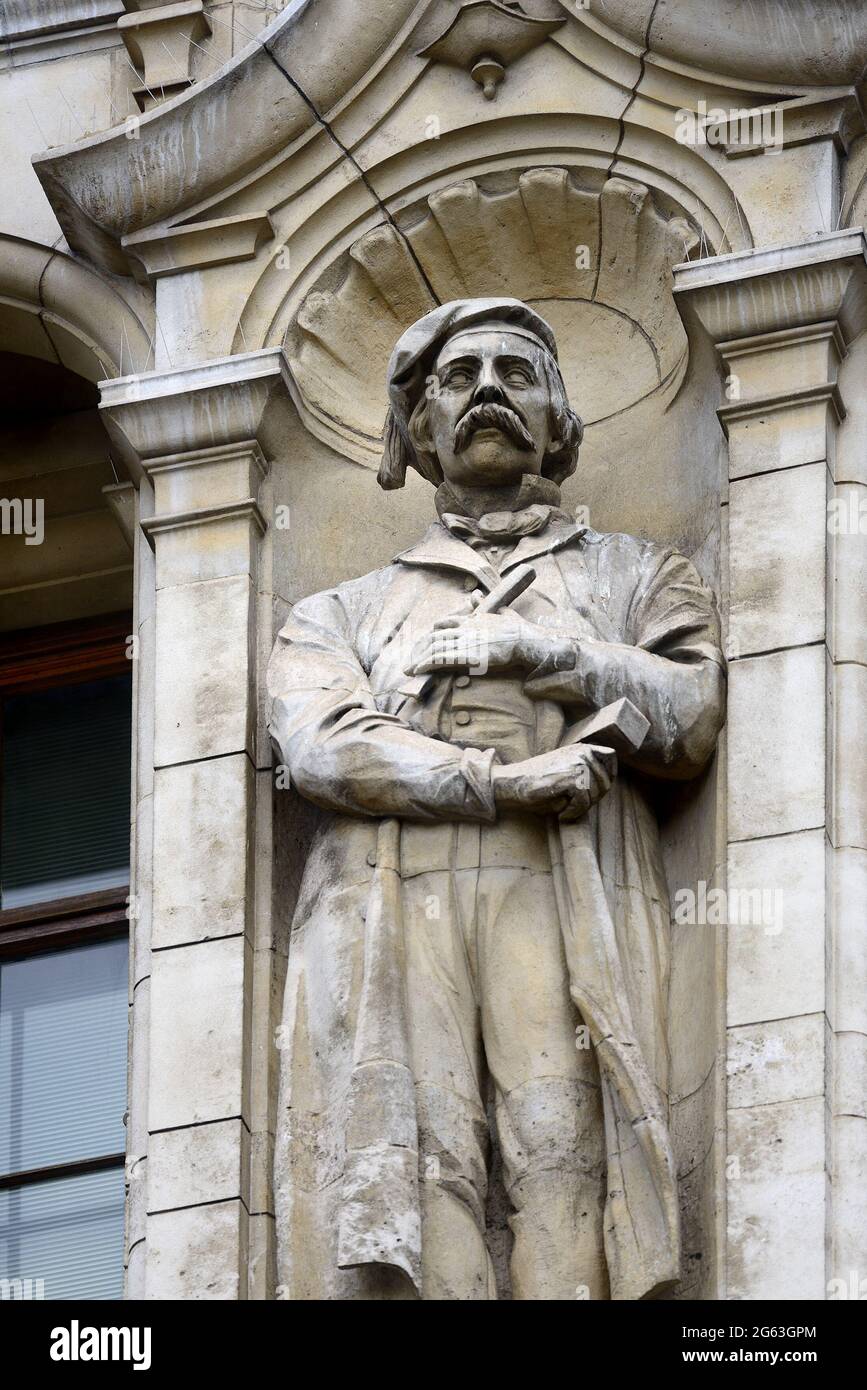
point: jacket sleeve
(342, 752)
(670, 666)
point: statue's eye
(458, 377)
(518, 376)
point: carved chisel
(500, 596)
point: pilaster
(200, 948)
(782, 320)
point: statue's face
(490, 419)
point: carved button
(470, 583)
(462, 682)
(462, 717)
(371, 857)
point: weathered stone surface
(776, 742)
(383, 715)
(331, 173)
(198, 1253)
(199, 1164)
(776, 950)
(776, 1201)
(776, 587)
(202, 886)
(197, 1033)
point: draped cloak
(346, 1160)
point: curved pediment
(309, 96)
(219, 132)
(800, 41)
(595, 262)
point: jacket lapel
(555, 535)
(441, 550)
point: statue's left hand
(486, 642)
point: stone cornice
(306, 97)
(109, 185)
(767, 291)
(781, 320)
(205, 410)
(23, 21)
(247, 509)
(763, 406)
(820, 41)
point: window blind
(63, 1028)
(64, 819)
(64, 1238)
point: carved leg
(445, 1039)
(552, 1143)
(549, 1111)
(455, 1261)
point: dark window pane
(67, 1233)
(63, 1027)
(66, 785)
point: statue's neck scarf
(533, 504)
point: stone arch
(594, 253)
(682, 184)
(56, 308)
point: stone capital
(781, 320)
(162, 251)
(194, 433)
(194, 417)
(760, 292)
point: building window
(65, 704)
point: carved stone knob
(489, 74)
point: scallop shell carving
(595, 264)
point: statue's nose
(487, 393)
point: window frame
(45, 658)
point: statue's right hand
(565, 782)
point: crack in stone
(347, 153)
(642, 64)
(621, 136)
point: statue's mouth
(493, 417)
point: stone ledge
(783, 400)
(212, 406)
(179, 521)
(789, 287)
(35, 31)
(176, 250)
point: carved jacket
(372, 756)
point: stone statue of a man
(482, 932)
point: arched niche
(595, 261)
(650, 465)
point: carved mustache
(490, 416)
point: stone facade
(219, 219)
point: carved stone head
(477, 399)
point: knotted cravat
(499, 527)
